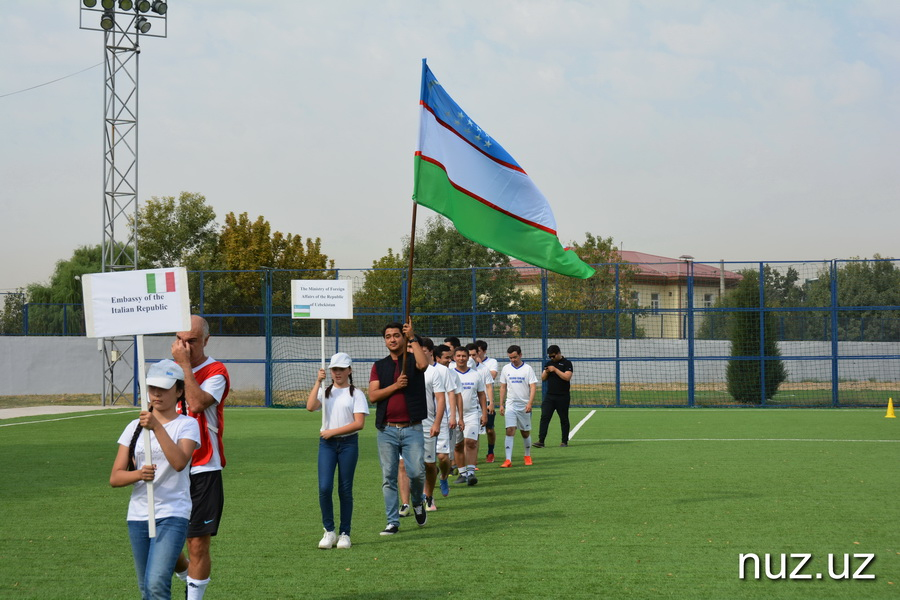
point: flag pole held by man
(464, 174)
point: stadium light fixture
(159, 7)
(107, 21)
(126, 4)
(108, 4)
(89, 3)
(143, 5)
(142, 25)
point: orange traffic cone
(890, 411)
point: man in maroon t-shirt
(397, 388)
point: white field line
(820, 440)
(580, 423)
(108, 412)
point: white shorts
(436, 445)
(473, 425)
(458, 436)
(519, 419)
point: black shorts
(209, 499)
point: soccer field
(644, 503)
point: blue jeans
(154, 559)
(339, 453)
(392, 442)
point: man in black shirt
(558, 375)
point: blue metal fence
(654, 334)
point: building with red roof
(659, 286)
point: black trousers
(560, 404)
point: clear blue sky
(763, 130)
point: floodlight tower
(122, 22)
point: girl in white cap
(345, 415)
(173, 439)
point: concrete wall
(73, 365)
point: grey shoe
(460, 479)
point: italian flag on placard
(158, 283)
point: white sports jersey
(471, 382)
(518, 382)
(491, 364)
(435, 382)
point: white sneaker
(404, 510)
(344, 541)
(328, 540)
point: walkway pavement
(31, 411)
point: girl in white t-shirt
(173, 439)
(344, 415)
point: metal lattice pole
(122, 22)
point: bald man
(206, 385)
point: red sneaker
(528, 461)
(506, 464)
(489, 458)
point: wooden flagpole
(409, 278)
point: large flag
(465, 175)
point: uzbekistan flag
(465, 175)
(160, 282)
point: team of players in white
(460, 395)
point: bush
(743, 376)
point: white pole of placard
(148, 450)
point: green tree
(743, 376)
(592, 301)
(781, 291)
(174, 234)
(862, 283)
(378, 301)
(446, 267)
(11, 322)
(46, 313)
(249, 251)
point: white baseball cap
(341, 360)
(164, 374)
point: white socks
(196, 588)
(510, 439)
(527, 442)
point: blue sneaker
(445, 487)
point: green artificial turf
(644, 503)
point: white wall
(73, 365)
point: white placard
(321, 299)
(136, 302)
